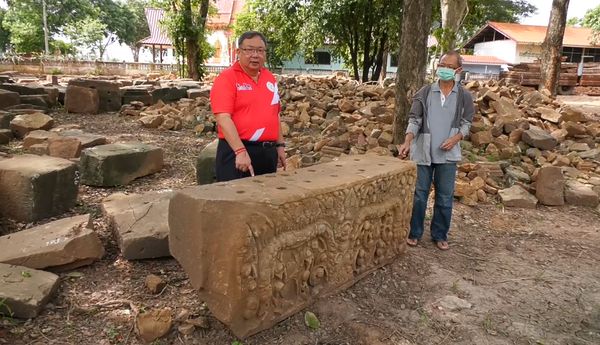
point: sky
(577, 8)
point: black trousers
(264, 161)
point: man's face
(252, 54)
(450, 61)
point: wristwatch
(279, 144)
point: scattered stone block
(579, 194)
(5, 136)
(517, 196)
(168, 94)
(38, 149)
(9, 98)
(52, 93)
(109, 92)
(39, 136)
(140, 223)
(82, 100)
(5, 118)
(64, 147)
(153, 324)
(87, 139)
(549, 186)
(41, 101)
(63, 244)
(23, 124)
(539, 138)
(36, 187)
(118, 164)
(299, 235)
(137, 94)
(205, 164)
(25, 291)
(23, 89)
(195, 93)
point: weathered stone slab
(35, 187)
(87, 139)
(169, 94)
(109, 92)
(63, 244)
(5, 136)
(25, 291)
(539, 138)
(42, 101)
(23, 124)
(39, 136)
(5, 118)
(137, 93)
(292, 237)
(200, 92)
(205, 163)
(9, 98)
(64, 147)
(120, 163)
(140, 223)
(550, 186)
(517, 196)
(579, 194)
(23, 89)
(82, 100)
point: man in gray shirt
(440, 116)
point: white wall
(528, 52)
(504, 49)
(224, 58)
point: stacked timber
(529, 74)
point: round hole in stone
(307, 181)
(333, 175)
(241, 191)
(282, 188)
(339, 165)
(381, 164)
(361, 170)
(356, 159)
(312, 170)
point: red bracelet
(240, 150)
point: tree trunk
(367, 40)
(416, 20)
(453, 14)
(379, 60)
(552, 46)
(191, 42)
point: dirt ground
(521, 276)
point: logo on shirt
(273, 88)
(243, 87)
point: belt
(265, 144)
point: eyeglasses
(250, 51)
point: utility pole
(44, 15)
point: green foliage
(4, 33)
(62, 47)
(574, 21)
(311, 321)
(87, 33)
(359, 31)
(482, 11)
(591, 20)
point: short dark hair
(456, 54)
(251, 34)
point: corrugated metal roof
(157, 36)
(482, 60)
(534, 34)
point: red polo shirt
(254, 107)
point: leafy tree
(574, 21)
(4, 34)
(360, 31)
(88, 33)
(138, 27)
(591, 20)
(185, 22)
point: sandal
(442, 245)
(412, 242)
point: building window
(394, 60)
(318, 58)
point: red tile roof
(535, 34)
(482, 60)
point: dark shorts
(264, 161)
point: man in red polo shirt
(245, 102)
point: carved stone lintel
(260, 249)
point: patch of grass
(237, 343)
(454, 288)
(488, 324)
(492, 158)
(5, 312)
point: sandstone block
(23, 124)
(517, 196)
(35, 187)
(64, 147)
(481, 138)
(41, 101)
(82, 100)
(39, 136)
(579, 194)
(87, 139)
(8, 99)
(63, 244)
(23, 89)
(120, 163)
(5, 136)
(5, 118)
(109, 92)
(205, 163)
(298, 235)
(539, 138)
(202, 92)
(140, 223)
(25, 291)
(549, 186)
